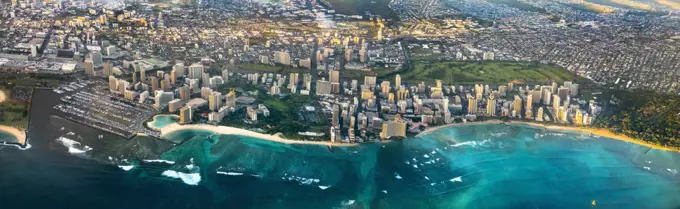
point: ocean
(469, 166)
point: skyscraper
(472, 105)
(395, 128)
(89, 67)
(96, 57)
(184, 93)
(108, 69)
(370, 81)
(517, 105)
(195, 71)
(491, 106)
(397, 82)
(154, 83)
(185, 115)
(230, 99)
(215, 101)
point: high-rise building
(96, 57)
(186, 115)
(215, 101)
(34, 50)
(184, 93)
(129, 95)
(205, 79)
(348, 55)
(225, 75)
(154, 83)
(397, 82)
(293, 79)
(216, 81)
(174, 105)
(539, 114)
(530, 102)
(108, 69)
(578, 117)
(335, 119)
(205, 92)
(556, 102)
(370, 81)
(334, 76)
(561, 115)
(472, 105)
(230, 99)
(323, 87)
(384, 88)
(517, 105)
(113, 84)
(179, 69)
(195, 71)
(563, 93)
(395, 128)
(573, 90)
(89, 67)
(306, 63)
(546, 96)
(162, 98)
(307, 79)
(282, 58)
(491, 107)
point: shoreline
(161, 115)
(226, 130)
(594, 131)
(437, 128)
(598, 132)
(174, 127)
(17, 133)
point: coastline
(148, 124)
(174, 127)
(595, 131)
(599, 132)
(436, 128)
(18, 133)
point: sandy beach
(19, 134)
(599, 132)
(436, 128)
(242, 132)
(150, 123)
(594, 131)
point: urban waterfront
(469, 166)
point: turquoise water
(7, 137)
(470, 166)
(161, 121)
(473, 166)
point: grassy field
(13, 113)
(485, 72)
(591, 7)
(520, 5)
(623, 4)
(357, 7)
(262, 68)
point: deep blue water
(472, 166)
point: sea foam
(457, 179)
(126, 167)
(187, 178)
(159, 161)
